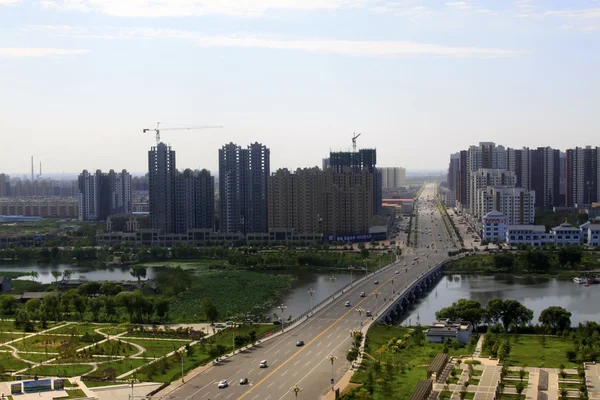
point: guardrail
(317, 307)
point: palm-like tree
(34, 275)
(56, 275)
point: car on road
(363, 294)
(405, 264)
(263, 364)
(369, 313)
(229, 323)
(397, 272)
(244, 381)
(223, 384)
(300, 343)
(347, 304)
(219, 326)
(376, 282)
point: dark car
(300, 343)
(376, 282)
(276, 322)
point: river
(88, 272)
(581, 301)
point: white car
(347, 304)
(223, 384)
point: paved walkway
(479, 346)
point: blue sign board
(40, 385)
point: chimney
(32, 168)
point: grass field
(61, 370)
(74, 394)
(9, 363)
(411, 362)
(529, 351)
(9, 326)
(120, 366)
(113, 329)
(37, 357)
(78, 329)
(42, 342)
(157, 348)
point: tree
(138, 271)
(126, 300)
(110, 289)
(80, 304)
(209, 309)
(520, 386)
(56, 275)
(91, 288)
(66, 300)
(34, 275)
(161, 308)
(493, 310)
(67, 274)
(503, 350)
(8, 304)
(95, 305)
(463, 309)
(352, 354)
(51, 306)
(556, 318)
(569, 255)
(33, 305)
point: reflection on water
(534, 292)
(90, 273)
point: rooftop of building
(447, 326)
(534, 228)
(565, 227)
(494, 214)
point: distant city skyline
(418, 79)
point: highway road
(327, 332)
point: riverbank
(541, 264)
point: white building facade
(494, 227)
(566, 234)
(534, 235)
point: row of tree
(510, 313)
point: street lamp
(350, 268)
(132, 381)
(311, 292)
(296, 389)
(376, 293)
(360, 310)
(393, 290)
(332, 358)
(282, 307)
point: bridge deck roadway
(325, 333)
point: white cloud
(372, 48)
(462, 5)
(8, 2)
(401, 10)
(187, 8)
(586, 13)
(19, 52)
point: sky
(419, 79)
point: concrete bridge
(407, 295)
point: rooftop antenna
(354, 141)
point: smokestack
(40, 168)
(31, 167)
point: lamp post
(393, 290)
(296, 389)
(350, 268)
(311, 292)
(376, 293)
(182, 380)
(332, 279)
(132, 380)
(360, 310)
(406, 277)
(282, 307)
(332, 358)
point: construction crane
(354, 141)
(158, 129)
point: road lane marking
(328, 336)
(296, 363)
(284, 373)
(282, 385)
(201, 389)
(296, 373)
(259, 383)
(270, 384)
(229, 396)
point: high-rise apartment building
(101, 195)
(582, 172)
(545, 176)
(162, 172)
(346, 203)
(392, 177)
(481, 179)
(486, 155)
(294, 200)
(4, 185)
(194, 200)
(243, 188)
(356, 161)
(516, 204)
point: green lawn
(9, 326)
(168, 369)
(43, 342)
(20, 286)
(528, 350)
(113, 347)
(9, 363)
(411, 362)
(62, 370)
(568, 385)
(444, 394)
(120, 366)
(113, 329)
(74, 394)
(157, 348)
(78, 329)
(37, 357)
